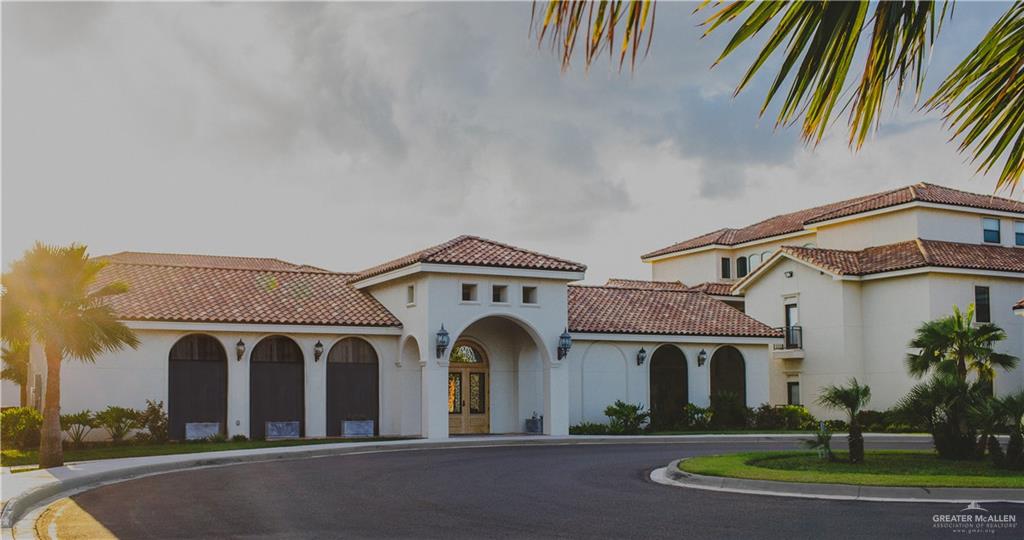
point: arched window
(197, 384)
(741, 267)
(754, 260)
(277, 385)
(467, 353)
(352, 385)
(728, 374)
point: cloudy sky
(341, 135)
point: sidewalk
(22, 491)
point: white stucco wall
(603, 371)
(131, 376)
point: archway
(197, 384)
(669, 387)
(352, 387)
(276, 385)
(728, 374)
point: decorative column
(556, 397)
(434, 395)
(238, 383)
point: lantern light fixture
(443, 339)
(239, 350)
(318, 351)
(702, 357)
(641, 355)
(564, 344)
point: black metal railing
(792, 338)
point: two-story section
(850, 282)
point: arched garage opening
(728, 373)
(352, 389)
(669, 392)
(276, 385)
(197, 384)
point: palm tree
(955, 345)
(15, 369)
(989, 417)
(941, 405)
(851, 399)
(1013, 407)
(817, 43)
(51, 297)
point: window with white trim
(529, 295)
(499, 294)
(469, 292)
(990, 230)
(1018, 233)
(410, 295)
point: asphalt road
(579, 491)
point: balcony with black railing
(792, 338)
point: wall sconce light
(442, 341)
(318, 351)
(702, 357)
(239, 350)
(641, 355)
(788, 273)
(564, 344)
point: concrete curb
(672, 476)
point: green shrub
(588, 428)
(697, 418)
(19, 427)
(626, 418)
(218, 438)
(154, 420)
(836, 425)
(790, 417)
(118, 421)
(77, 426)
(239, 438)
(728, 411)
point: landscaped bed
(18, 458)
(880, 468)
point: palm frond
(982, 100)
(563, 22)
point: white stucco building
(464, 337)
(849, 282)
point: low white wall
(601, 372)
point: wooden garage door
(276, 385)
(197, 384)
(352, 391)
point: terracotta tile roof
(208, 261)
(912, 254)
(243, 293)
(621, 310)
(476, 251)
(714, 288)
(644, 284)
(795, 221)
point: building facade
(848, 283)
(469, 336)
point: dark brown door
(669, 392)
(352, 388)
(276, 385)
(197, 384)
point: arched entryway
(352, 389)
(728, 374)
(669, 387)
(276, 385)
(468, 389)
(197, 384)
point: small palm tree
(941, 404)
(51, 297)
(1013, 408)
(955, 345)
(989, 418)
(852, 399)
(15, 369)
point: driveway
(578, 491)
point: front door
(468, 391)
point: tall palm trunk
(23, 394)
(51, 451)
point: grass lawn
(17, 458)
(880, 468)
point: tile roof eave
(395, 324)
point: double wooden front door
(468, 400)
